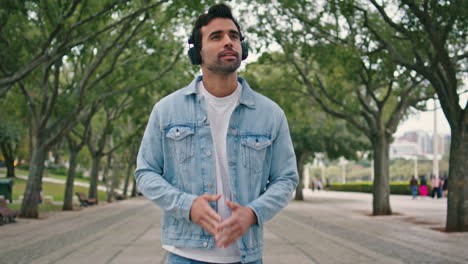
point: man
(216, 156)
(435, 186)
(414, 187)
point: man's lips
(228, 54)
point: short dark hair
(219, 10)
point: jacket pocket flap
(256, 142)
(179, 132)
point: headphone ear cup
(245, 49)
(194, 56)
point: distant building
(418, 143)
(446, 143)
(403, 148)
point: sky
(425, 120)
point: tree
(98, 141)
(311, 131)
(56, 95)
(429, 37)
(10, 137)
(40, 33)
(346, 77)
(76, 140)
(12, 129)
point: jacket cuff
(185, 205)
(257, 214)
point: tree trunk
(30, 205)
(68, 196)
(114, 181)
(10, 164)
(109, 180)
(134, 188)
(300, 157)
(57, 157)
(93, 181)
(381, 186)
(128, 174)
(457, 202)
(8, 152)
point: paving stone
(328, 227)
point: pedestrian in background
(441, 188)
(435, 184)
(414, 187)
(445, 186)
(423, 191)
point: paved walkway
(329, 227)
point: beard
(224, 67)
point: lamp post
(416, 166)
(343, 169)
(435, 161)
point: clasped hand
(225, 231)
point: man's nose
(227, 41)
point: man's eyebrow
(232, 31)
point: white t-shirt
(219, 111)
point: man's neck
(220, 85)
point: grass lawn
(51, 189)
(64, 178)
(20, 172)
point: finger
(212, 215)
(232, 205)
(209, 197)
(223, 232)
(226, 224)
(208, 227)
(228, 237)
(230, 240)
(213, 224)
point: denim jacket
(175, 164)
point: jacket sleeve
(283, 177)
(149, 173)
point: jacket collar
(247, 97)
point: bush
(22, 166)
(366, 187)
(58, 171)
(64, 172)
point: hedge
(64, 172)
(366, 187)
(57, 171)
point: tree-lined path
(328, 227)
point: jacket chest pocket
(180, 141)
(254, 150)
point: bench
(118, 196)
(6, 214)
(84, 200)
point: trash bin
(6, 189)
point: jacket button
(177, 134)
(257, 144)
(208, 153)
(205, 244)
